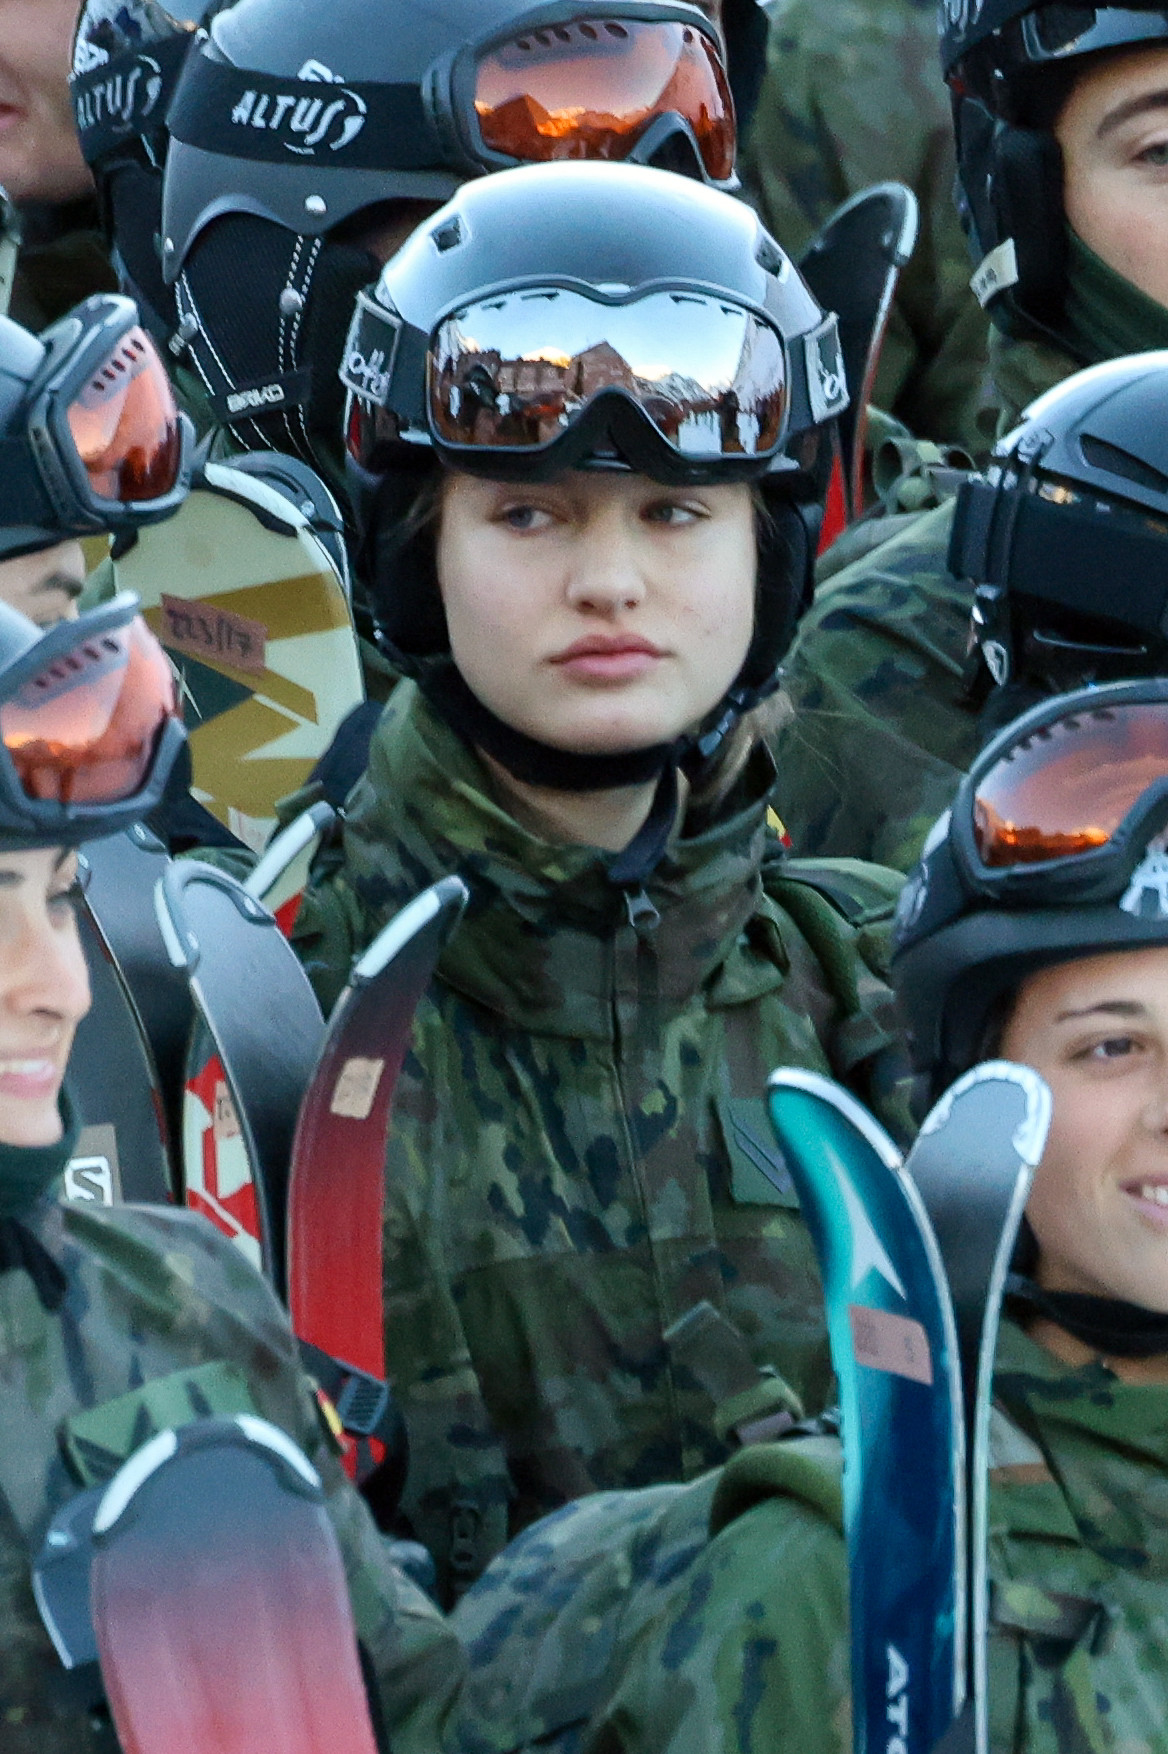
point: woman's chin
(26, 1124)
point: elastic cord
(1107, 1324)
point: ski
(894, 1348)
(222, 1618)
(914, 1380)
(853, 266)
(280, 877)
(972, 1164)
(122, 871)
(336, 1182)
(259, 1035)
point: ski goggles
(89, 727)
(104, 447)
(614, 85)
(1061, 805)
(687, 380)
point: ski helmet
(1064, 539)
(91, 440)
(1009, 65)
(127, 56)
(295, 121)
(586, 315)
(1054, 849)
(89, 725)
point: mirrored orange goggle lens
(84, 731)
(589, 89)
(1067, 787)
(125, 424)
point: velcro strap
(302, 121)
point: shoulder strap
(860, 892)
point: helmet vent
(448, 236)
(1100, 454)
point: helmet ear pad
(1011, 187)
(131, 198)
(785, 532)
(252, 340)
(398, 563)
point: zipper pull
(643, 916)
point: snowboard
(219, 1605)
(909, 1417)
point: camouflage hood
(534, 946)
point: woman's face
(44, 990)
(1113, 131)
(1097, 1030)
(597, 612)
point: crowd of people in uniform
(483, 291)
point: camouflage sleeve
(750, 1651)
(878, 738)
(852, 96)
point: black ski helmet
(1053, 849)
(127, 56)
(630, 245)
(1009, 65)
(295, 117)
(1064, 539)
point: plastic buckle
(361, 1401)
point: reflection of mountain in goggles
(1068, 789)
(83, 726)
(592, 88)
(514, 371)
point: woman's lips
(599, 659)
(1151, 1201)
(28, 1076)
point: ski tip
(443, 901)
(244, 1430)
(826, 1091)
(1029, 1138)
(291, 841)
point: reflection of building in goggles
(124, 422)
(593, 88)
(514, 371)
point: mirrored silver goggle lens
(515, 370)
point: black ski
(219, 1605)
(898, 1356)
(853, 266)
(263, 1030)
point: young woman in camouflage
(580, 1158)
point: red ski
(221, 1613)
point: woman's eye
(525, 517)
(63, 902)
(672, 511)
(1156, 154)
(1116, 1047)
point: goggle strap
(24, 499)
(241, 114)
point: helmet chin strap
(568, 770)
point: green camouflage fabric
(578, 1133)
(853, 95)
(163, 1322)
(748, 1653)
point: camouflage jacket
(577, 1135)
(737, 1661)
(162, 1322)
(853, 95)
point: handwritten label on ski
(884, 1341)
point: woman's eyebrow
(1135, 106)
(1110, 1008)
